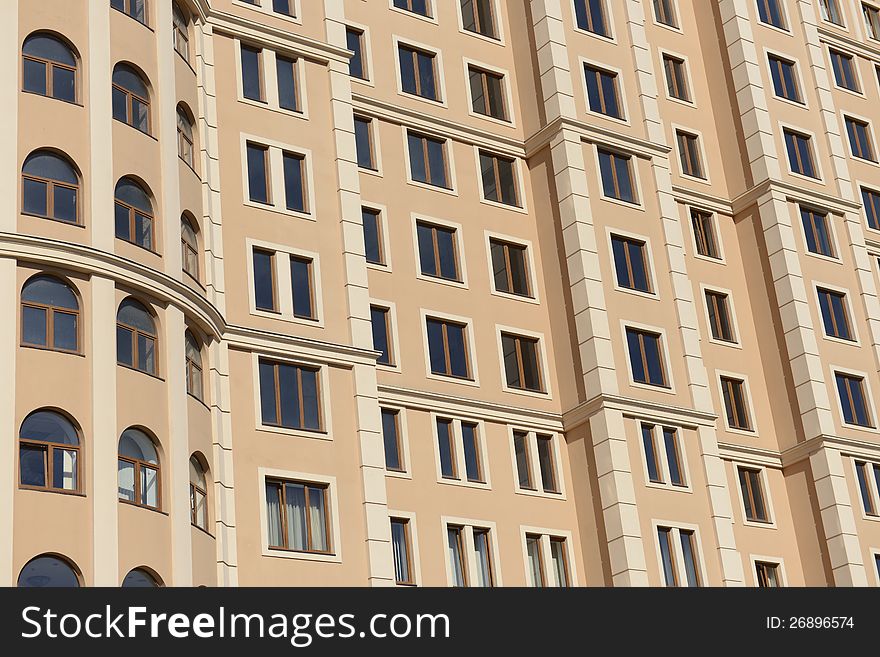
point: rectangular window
(631, 263)
(720, 323)
(674, 544)
(817, 232)
(258, 173)
(735, 403)
(676, 78)
(646, 357)
(752, 489)
(767, 574)
(446, 447)
(673, 458)
(487, 93)
(548, 463)
(535, 555)
(590, 16)
(844, 69)
(664, 12)
(559, 561)
(784, 79)
(478, 16)
(689, 555)
(298, 516)
(391, 438)
(363, 138)
(851, 390)
(484, 575)
(303, 287)
(448, 348)
(863, 474)
(510, 268)
(418, 72)
(381, 321)
(499, 179)
(703, 226)
(522, 366)
(457, 564)
(427, 159)
(655, 474)
(402, 547)
(264, 280)
(288, 90)
(800, 153)
(523, 460)
(438, 251)
(872, 21)
(286, 7)
(860, 142)
(373, 240)
(835, 317)
(617, 176)
(670, 455)
(252, 73)
(420, 7)
(295, 182)
(472, 461)
(770, 12)
(602, 91)
(871, 201)
(357, 64)
(689, 154)
(459, 439)
(289, 396)
(529, 477)
(667, 556)
(831, 11)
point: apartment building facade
(440, 293)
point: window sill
(296, 433)
(75, 103)
(135, 505)
(50, 350)
(39, 489)
(541, 494)
(281, 553)
(63, 222)
(134, 369)
(515, 297)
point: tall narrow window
(547, 463)
(264, 280)
(418, 72)
(673, 457)
(844, 69)
(559, 562)
(667, 556)
(373, 239)
(478, 16)
(603, 94)
(720, 322)
(48, 453)
(853, 399)
(863, 474)
(631, 263)
(133, 214)
(290, 396)
(438, 251)
(831, 11)
(664, 12)
(510, 269)
(735, 403)
(667, 452)
(446, 447)
(590, 16)
(391, 438)
(767, 574)
(302, 282)
(800, 153)
(871, 201)
(523, 460)
(676, 78)
(139, 481)
(427, 159)
(770, 12)
(49, 314)
(135, 337)
(363, 136)
(455, 546)
(402, 546)
(50, 187)
(752, 489)
(499, 179)
(420, 7)
(49, 68)
(357, 64)
(288, 89)
(617, 176)
(817, 232)
(860, 141)
(472, 459)
(381, 323)
(646, 357)
(131, 98)
(193, 356)
(448, 348)
(535, 554)
(258, 173)
(689, 556)
(298, 516)
(185, 149)
(198, 494)
(655, 474)
(252, 73)
(872, 20)
(189, 245)
(137, 9)
(689, 154)
(522, 364)
(487, 93)
(835, 316)
(485, 572)
(294, 182)
(536, 476)
(181, 31)
(703, 226)
(784, 79)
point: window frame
(870, 24)
(448, 161)
(543, 365)
(380, 212)
(684, 62)
(675, 23)
(418, 219)
(507, 100)
(363, 33)
(856, 73)
(783, 14)
(648, 258)
(658, 432)
(531, 437)
(757, 560)
(403, 451)
(275, 152)
(870, 406)
(519, 204)
(322, 378)
(675, 531)
(409, 519)
(772, 58)
(619, 91)
(138, 466)
(257, 5)
(50, 311)
(665, 363)
(190, 249)
(829, 226)
(50, 65)
(829, 20)
(468, 527)
(127, 8)
(736, 340)
(711, 218)
(372, 136)
(194, 491)
(390, 310)
(874, 190)
(468, 325)
(282, 283)
(498, 24)
(195, 371)
(546, 536)
(430, 16)
(632, 168)
(436, 56)
(760, 475)
(871, 487)
(135, 333)
(529, 264)
(459, 476)
(130, 97)
(748, 404)
(607, 14)
(809, 137)
(692, 140)
(849, 316)
(871, 157)
(48, 448)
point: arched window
(138, 469)
(135, 337)
(48, 452)
(140, 578)
(193, 366)
(134, 213)
(137, 9)
(49, 314)
(49, 67)
(185, 136)
(181, 31)
(50, 187)
(48, 571)
(131, 98)
(198, 494)
(189, 242)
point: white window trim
(440, 77)
(862, 21)
(716, 231)
(785, 19)
(583, 62)
(676, 11)
(276, 177)
(667, 362)
(374, 123)
(611, 232)
(393, 337)
(402, 439)
(779, 562)
(424, 314)
(871, 482)
(840, 10)
(283, 283)
(749, 403)
(333, 510)
(798, 78)
(832, 232)
(814, 154)
(872, 232)
(415, 561)
(430, 18)
(385, 238)
(678, 555)
(458, 444)
(468, 525)
(467, 62)
(857, 70)
(765, 491)
(267, 9)
(662, 459)
(523, 207)
(609, 20)
(268, 70)
(324, 393)
(866, 382)
(731, 309)
(499, 25)
(546, 534)
(543, 364)
(665, 83)
(518, 241)
(707, 179)
(415, 218)
(634, 172)
(850, 313)
(366, 55)
(844, 115)
(534, 462)
(452, 190)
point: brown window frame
(429, 9)
(303, 179)
(752, 489)
(373, 166)
(816, 217)
(395, 413)
(48, 449)
(50, 198)
(414, 53)
(185, 143)
(553, 486)
(870, 154)
(675, 87)
(847, 333)
(194, 373)
(516, 202)
(386, 315)
(643, 353)
(460, 552)
(614, 156)
(423, 142)
(50, 325)
(807, 140)
(643, 251)
(189, 251)
(761, 573)
(664, 12)
(690, 155)
(718, 305)
(538, 541)
(135, 334)
(597, 72)
(308, 487)
(518, 343)
(490, 561)
(839, 60)
(453, 455)
(181, 33)
(138, 493)
(408, 546)
(526, 439)
(435, 244)
(851, 380)
(737, 387)
(589, 16)
(128, 11)
(129, 113)
(445, 323)
(50, 65)
(864, 471)
(478, 452)
(506, 247)
(194, 493)
(132, 225)
(871, 15)
(376, 215)
(793, 95)
(484, 75)
(492, 33)
(310, 268)
(319, 395)
(705, 238)
(566, 567)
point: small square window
(499, 179)
(448, 348)
(427, 158)
(522, 362)
(418, 72)
(487, 93)
(510, 268)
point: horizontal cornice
(594, 134)
(638, 408)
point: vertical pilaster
(222, 475)
(100, 208)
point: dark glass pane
(64, 469)
(286, 74)
(446, 249)
(47, 572)
(669, 438)
(143, 230)
(35, 77)
(289, 392)
(122, 222)
(264, 284)
(392, 445)
(130, 192)
(520, 448)
(437, 163)
(635, 356)
(652, 354)
(34, 326)
(64, 84)
(65, 331)
(294, 176)
(511, 362)
(311, 412)
(624, 182)
(427, 264)
(518, 270)
(407, 70)
(545, 461)
(363, 143)
(531, 372)
(401, 552)
(444, 441)
(650, 454)
(508, 181)
(65, 203)
(371, 237)
(418, 166)
(609, 93)
(664, 537)
(637, 262)
(129, 79)
(124, 353)
(301, 282)
(597, 14)
(268, 394)
(356, 63)
(593, 89)
(48, 47)
(606, 168)
(140, 115)
(468, 15)
(457, 353)
(690, 559)
(618, 249)
(380, 334)
(250, 74)
(436, 347)
(140, 579)
(426, 76)
(283, 7)
(471, 452)
(477, 95)
(146, 354)
(258, 182)
(32, 465)
(35, 200)
(47, 426)
(125, 480)
(487, 171)
(499, 267)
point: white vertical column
(223, 474)
(99, 219)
